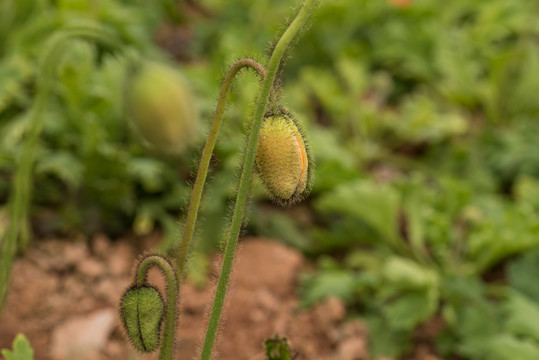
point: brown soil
(64, 295)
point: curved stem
(245, 179)
(196, 195)
(18, 233)
(45, 80)
(166, 352)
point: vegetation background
(423, 118)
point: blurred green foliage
(423, 121)
(91, 170)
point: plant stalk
(166, 351)
(246, 174)
(196, 195)
(18, 233)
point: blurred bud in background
(161, 107)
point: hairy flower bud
(142, 311)
(283, 159)
(161, 107)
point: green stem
(166, 352)
(18, 232)
(196, 195)
(245, 179)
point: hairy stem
(196, 195)
(245, 179)
(18, 232)
(166, 352)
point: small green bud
(283, 159)
(277, 348)
(142, 311)
(161, 107)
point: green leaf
(477, 323)
(198, 269)
(385, 341)
(516, 231)
(509, 347)
(377, 205)
(340, 283)
(21, 349)
(523, 316)
(524, 271)
(14, 73)
(148, 172)
(63, 165)
(334, 163)
(407, 274)
(412, 308)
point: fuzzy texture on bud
(161, 107)
(142, 311)
(283, 158)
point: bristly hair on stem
(198, 187)
(246, 175)
(142, 310)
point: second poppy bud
(283, 159)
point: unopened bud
(142, 311)
(283, 159)
(161, 107)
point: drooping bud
(142, 311)
(161, 107)
(283, 159)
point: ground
(64, 294)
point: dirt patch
(64, 294)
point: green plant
(18, 233)
(72, 136)
(423, 248)
(277, 348)
(21, 349)
(298, 167)
(142, 309)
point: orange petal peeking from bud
(283, 159)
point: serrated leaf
(21, 349)
(62, 164)
(515, 232)
(340, 283)
(509, 347)
(410, 309)
(407, 274)
(385, 341)
(377, 205)
(523, 316)
(14, 73)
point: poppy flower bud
(161, 107)
(283, 159)
(142, 311)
